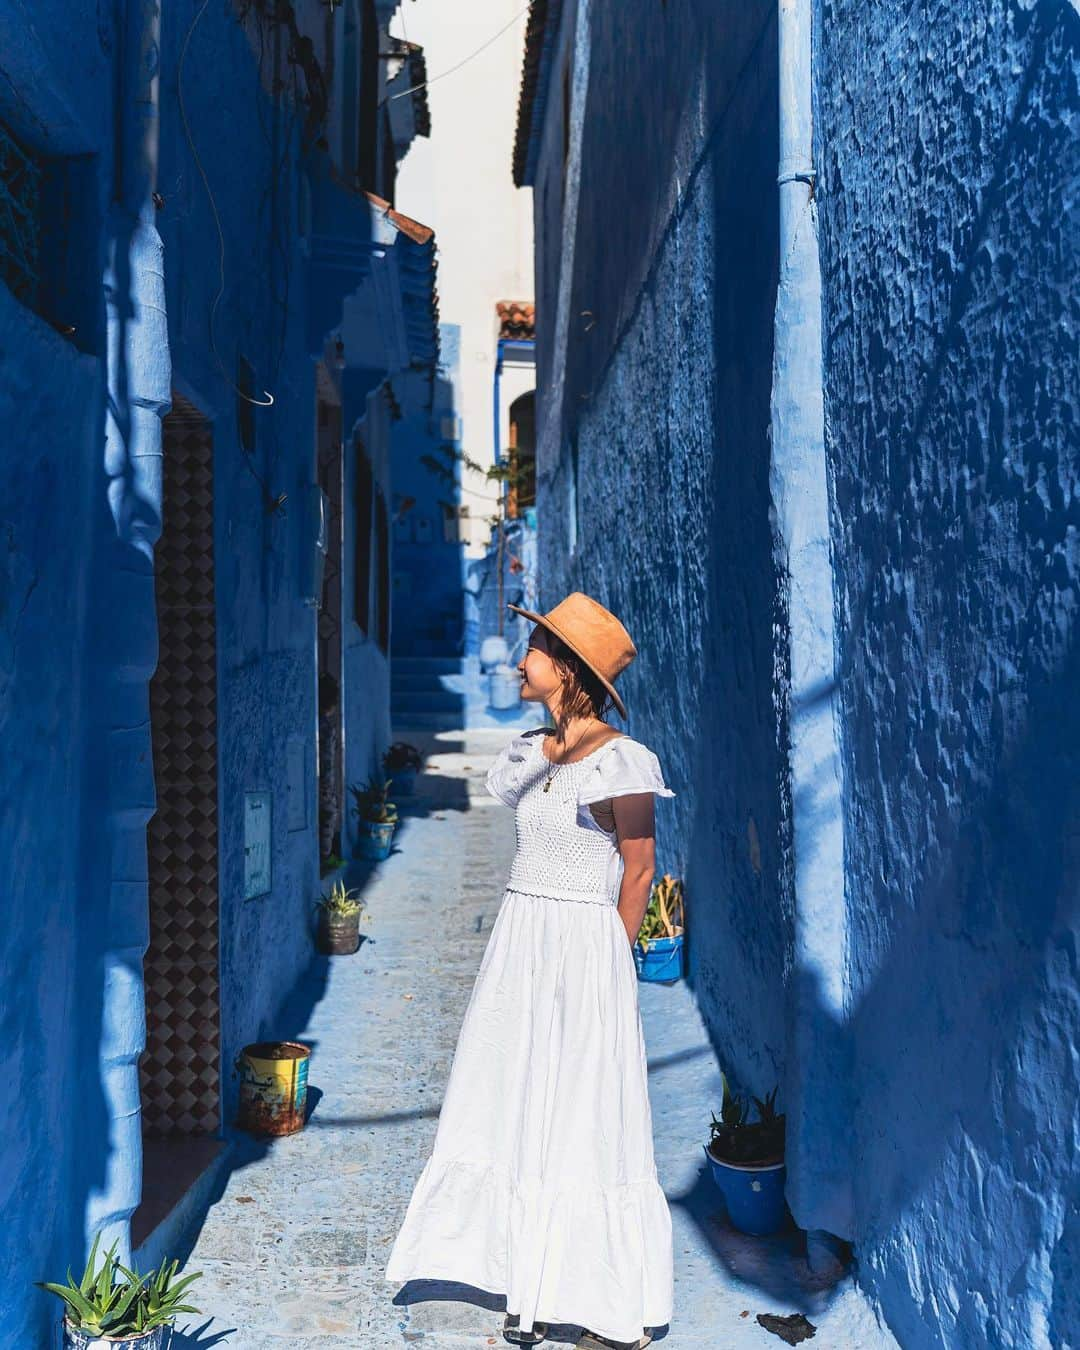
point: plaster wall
(266, 631)
(949, 259)
(656, 277)
(76, 646)
(459, 182)
(80, 470)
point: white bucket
(504, 684)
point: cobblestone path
(294, 1248)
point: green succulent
(115, 1301)
(340, 903)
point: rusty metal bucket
(273, 1087)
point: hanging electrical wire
(465, 60)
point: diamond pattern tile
(181, 1068)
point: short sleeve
(506, 776)
(625, 766)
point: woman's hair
(583, 693)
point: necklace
(558, 766)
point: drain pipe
(818, 1074)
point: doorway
(180, 1070)
(331, 768)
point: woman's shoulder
(623, 765)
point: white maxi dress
(541, 1184)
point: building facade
(807, 382)
(207, 291)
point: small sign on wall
(257, 815)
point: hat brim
(546, 623)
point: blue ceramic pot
(662, 961)
(753, 1194)
(404, 781)
(374, 839)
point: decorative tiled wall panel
(181, 1070)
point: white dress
(541, 1184)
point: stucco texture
(948, 162)
(662, 437)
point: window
(522, 488)
(364, 494)
(20, 219)
(368, 148)
(48, 237)
(382, 554)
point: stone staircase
(448, 693)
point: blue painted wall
(79, 479)
(948, 261)
(661, 434)
(951, 379)
(266, 634)
(80, 472)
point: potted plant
(115, 1306)
(747, 1162)
(339, 921)
(404, 761)
(658, 951)
(377, 816)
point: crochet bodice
(562, 850)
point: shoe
(512, 1331)
(591, 1340)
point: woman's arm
(635, 825)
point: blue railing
(20, 217)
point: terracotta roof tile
(543, 23)
(419, 234)
(517, 319)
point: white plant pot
(504, 686)
(493, 652)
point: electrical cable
(465, 61)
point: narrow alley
(295, 1247)
(383, 379)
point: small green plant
(735, 1138)
(402, 755)
(372, 803)
(118, 1302)
(340, 903)
(664, 916)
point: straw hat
(591, 632)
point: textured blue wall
(249, 150)
(668, 354)
(948, 167)
(80, 474)
(76, 644)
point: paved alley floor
(293, 1250)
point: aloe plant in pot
(339, 921)
(747, 1161)
(376, 816)
(114, 1306)
(658, 951)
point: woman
(541, 1183)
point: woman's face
(539, 678)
